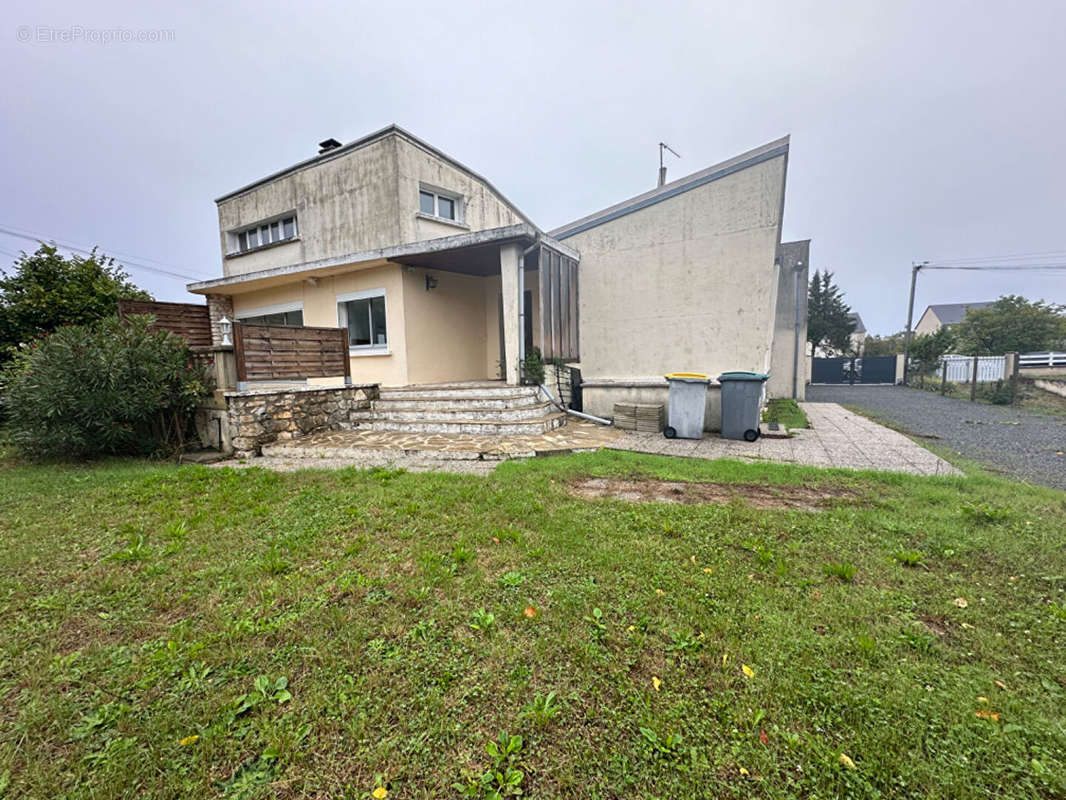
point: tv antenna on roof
(662, 167)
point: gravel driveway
(1026, 444)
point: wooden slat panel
(575, 350)
(543, 305)
(188, 320)
(557, 330)
(564, 308)
(276, 352)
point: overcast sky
(924, 130)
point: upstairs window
(263, 233)
(435, 203)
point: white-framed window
(290, 314)
(363, 314)
(267, 232)
(439, 203)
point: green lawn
(173, 632)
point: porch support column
(510, 264)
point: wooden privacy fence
(188, 320)
(277, 353)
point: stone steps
(481, 408)
(454, 392)
(474, 427)
(414, 412)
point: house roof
(953, 313)
(859, 327)
(465, 252)
(674, 188)
(376, 136)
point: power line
(38, 236)
(83, 251)
(1005, 258)
(998, 267)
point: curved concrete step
(405, 402)
(480, 427)
(416, 412)
(447, 392)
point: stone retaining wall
(265, 416)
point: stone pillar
(510, 263)
(218, 306)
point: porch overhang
(475, 253)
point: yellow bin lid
(697, 375)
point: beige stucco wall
(927, 324)
(319, 302)
(363, 199)
(446, 330)
(686, 284)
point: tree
(1012, 323)
(927, 348)
(888, 345)
(828, 324)
(48, 289)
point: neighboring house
(945, 314)
(856, 341)
(424, 262)
(858, 336)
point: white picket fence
(989, 368)
(1038, 360)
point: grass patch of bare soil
(796, 498)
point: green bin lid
(742, 376)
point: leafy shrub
(533, 367)
(999, 393)
(103, 389)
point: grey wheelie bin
(741, 402)
(687, 406)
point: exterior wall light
(225, 327)
(431, 282)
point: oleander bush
(103, 389)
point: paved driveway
(1026, 444)
(837, 438)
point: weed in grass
(597, 627)
(982, 512)
(842, 570)
(542, 709)
(909, 558)
(683, 644)
(462, 555)
(504, 778)
(137, 550)
(511, 580)
(424, 630)
(668, 747)
(483, 621)
(273, 563)
(866, 645)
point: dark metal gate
(870, 369)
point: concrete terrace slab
(836, 438)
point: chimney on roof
(327, 145)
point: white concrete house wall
(682, 278)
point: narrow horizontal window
(262, 234)
(292, 319)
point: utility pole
(915, 268)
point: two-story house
(438, 277)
